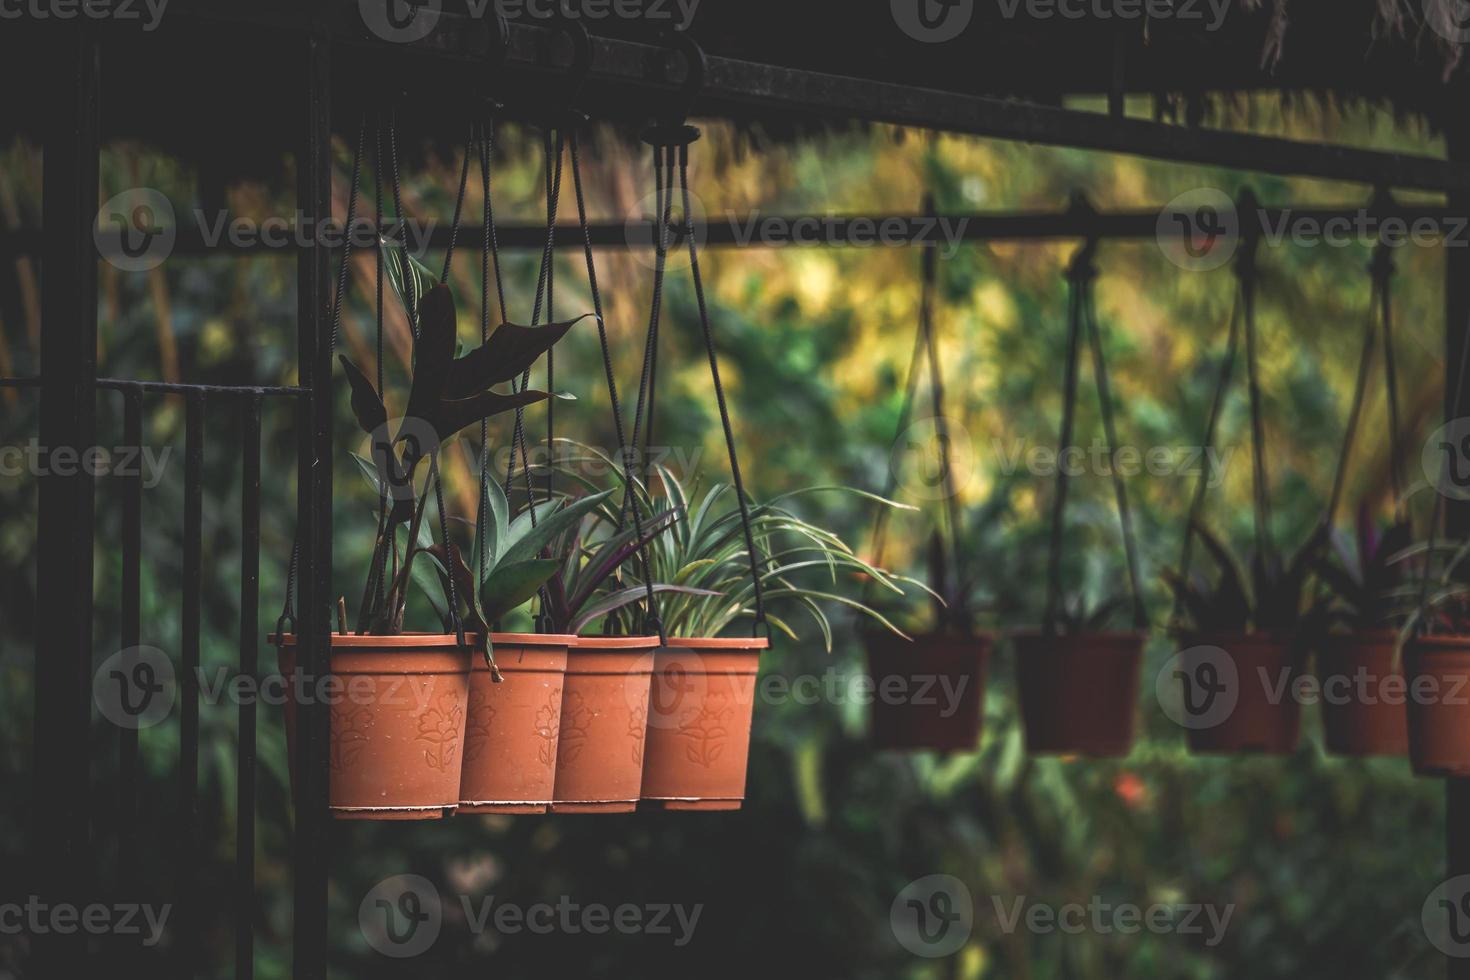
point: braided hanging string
(1110, 432)
(961, 612)
(1069, 407)
(756, 561)
(553, 151)
(1217, 404)
(288, 612)
(1462, 372)
(380, 569)
(612, 387)
(890, 488)
(634, 456)
(1260, 483)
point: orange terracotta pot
(1438, 672)
(398, 706)
(604, 720)
(699, 718)
(511, 733)
(927, 693)
(1079, 693)
(1363, 695)
(1257, 711)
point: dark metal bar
(60, 844)
(1457, 512)
(771, 231)
(314, 516)
(174, 388)
(20, 382)
(132, 600)
(188, 817)
(757, 230)
(249, 667)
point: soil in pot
(1438, 672)
(604, 722)
(1363, 695)
(512, 730)
(1239, 694)
(1079, 693)
(928, 692)
(699, 719)
(398, 707)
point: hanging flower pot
(699, 719)
(512, 728)
(1079, 692)
(604, 722)
(397, 723)
(1438, 672)
(1243, 702)
(1363, 694)
(928, 692)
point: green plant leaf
(512, 583)
(508, 354)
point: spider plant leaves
(613, 601)
(512, 583)
(534, 539)
(611, 554)
(507, 354)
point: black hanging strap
(1082, 318)
(756, 560)
(654, 621)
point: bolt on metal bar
(250, 669)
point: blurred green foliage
(1326, 862)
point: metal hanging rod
(745, 89)
(757, 230)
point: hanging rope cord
(1242, 320)
(1380, 314)
(670, 154)
(1082, 318)
(384, 545)
(953, 609)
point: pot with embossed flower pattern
(699, 717)
(604, 719)
(511, 735)
(398, 710)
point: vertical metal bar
(249, 667)
(1457, 513)
(188, 816)
(60, 844)
(132, 599)
(314, 516)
